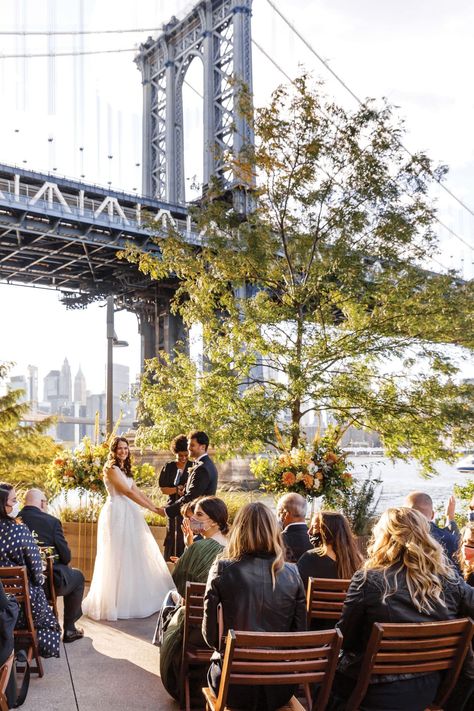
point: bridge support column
(160, 330)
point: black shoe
(72, 635)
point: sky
(418, 55)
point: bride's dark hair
(112, 460)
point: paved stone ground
(114, 668)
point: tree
(317, 301)
(25, 452)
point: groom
(202, 477)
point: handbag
(21, 666)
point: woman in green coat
(210, 519)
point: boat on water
(466, 464)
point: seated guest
(258, 592)
(448, 537)
(466, 554)
(406, 578)
(210, 520)
(335, 556)
(18, 547)
(68, 582)
(291, 512)
(173, 477)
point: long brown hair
(256, 530)
(401, 541)
(112, 460)
(334, 530)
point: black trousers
(174, 541)
(69, 583)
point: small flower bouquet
(314, 471)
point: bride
(130, 576)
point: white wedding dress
(130, 576)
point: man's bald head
(35, 497)
(421, 502)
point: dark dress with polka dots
(18, 547)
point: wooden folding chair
(325, 598)
(15, 582)
(275, 658)
(5, 672)
(48, 586)
(411, 648)
(193, 656)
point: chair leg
(187, 695)
(307, 693)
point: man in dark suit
(291, 511)
(202, 477)
(449, 536)
(68, 582)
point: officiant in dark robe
(172, 481)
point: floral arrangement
(320, 470)
(81, 468)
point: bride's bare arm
(132, 493)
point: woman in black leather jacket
(406, 578)
(258, 592)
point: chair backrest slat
(412, 648)
(254, 658)
(325, 598)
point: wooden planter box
(82, 539)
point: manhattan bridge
(64, 234)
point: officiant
(172, 481)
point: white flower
(312, 468)
(316, 484)
(299, 477)
(97, 462)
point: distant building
(121, 375)
(18, 382)
(80, 390)
(65, 383)
(32, 386)
(51, 386)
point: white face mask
(15, 510)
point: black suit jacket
(50, 533)
(296, 540)
(202, 481)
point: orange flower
(331, 457)
(308, 481)
(58, 461)
(288, 478)
(347, 476)
(320, 475)
(69, 472)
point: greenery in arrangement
(464, 496)
(320, 470)
(358, 503)
(25, 451)
(317, 301)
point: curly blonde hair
(401, 540)
(255, 530)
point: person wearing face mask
(18, 547)
(210, 520)
(172, 480)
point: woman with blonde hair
(258, 592)
(406, 578)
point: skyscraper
(51, 386)
(32, 386)
(80, 391)
(65, 383)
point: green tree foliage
(317, 301)
(25, 452)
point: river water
(399, 478)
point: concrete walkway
(114, 668)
